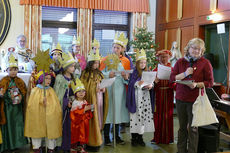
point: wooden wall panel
(204, 7)
(160, 39)
(172, 10)
(188, 9)
(172, 36)
(161, 11)
(223, 5)
(186, 35)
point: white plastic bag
(203, 113)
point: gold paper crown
(77, 41)
(66, 60)
(56, 49)
(121, 40)
(12, 61)
(96, 43)
(141, 55)
(94, 56)
(77, 86)
(39, 74)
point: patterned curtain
(113, 5)
(139, 21)
(32, 26)
(84, 29)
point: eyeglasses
(195, 48)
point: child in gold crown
(65, 94)
(13, 94)
(91, 78)
(80, 115)
(43, 114)
(139, 102)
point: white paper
(163, 72)
(148, 77)
(106, 82)
(185, 82)
(221, 28)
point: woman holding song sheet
(191, 67)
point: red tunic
(163, 115)
(80, 125)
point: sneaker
(152, 141)
(37, 150)
(120, 141)
(81, 150)
(51, 151)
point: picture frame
(5, 19)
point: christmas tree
(144, 40)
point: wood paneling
(186, 35)
(172, 10)
(223, 5)
(161, 11)
(188, 9)
(160, 39)
(172, 36)
(204, 7)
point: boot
(140, 140)
(118, 138)
(106, 135)
(134, 139)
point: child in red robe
(80, 115)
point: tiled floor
(149, 148)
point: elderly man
(23, 55)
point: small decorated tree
(144, 40)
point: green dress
(13, 130)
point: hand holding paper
(163, 72)
(106, 82)
(148, 77)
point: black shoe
(92, 149)
(134, 143)
(140, 140)
(141, 143)
(119, 141)
(107, 141)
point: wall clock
(5, 19)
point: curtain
(32, 27)
(139, 21)
(113, 5)
(84, 29)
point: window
(106, 24)
(58, 25)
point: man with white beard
(23, 55)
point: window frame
(116, 27)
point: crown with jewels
(121, 39)
(66, 59)
(56, 49)
(13, 62)
(77, 41)
(77, 86)
(95, 43)
(94, 55)
(140, 55)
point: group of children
(76, 110)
